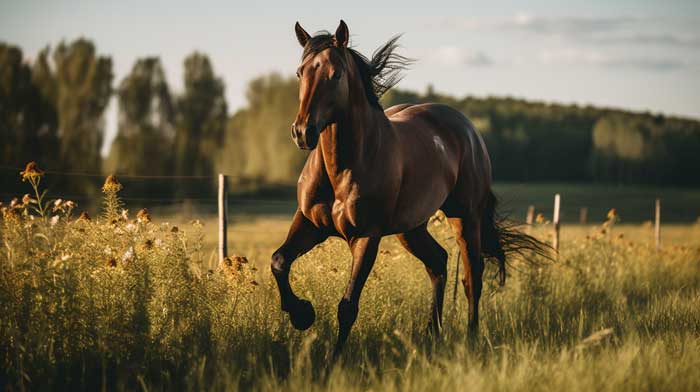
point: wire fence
(582, 203)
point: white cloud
(597, 30)
(453, 56)
(573, 57)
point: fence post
(583, 218)
(657, 224)
(529, 218)
(223, 215)
(555, 222)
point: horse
(373, 172)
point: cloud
(597, 30)
(452, 56)
(566, 25)
(574, 57)
(661, 39)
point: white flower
(128, 255)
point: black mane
(378, 75)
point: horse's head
(323, 84)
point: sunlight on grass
(132, 302)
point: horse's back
(425, 126)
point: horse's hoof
(302, 315)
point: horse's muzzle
(305, 136)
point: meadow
(126, 301)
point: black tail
(501, 238)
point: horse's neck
(353, 142)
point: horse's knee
(279, 263)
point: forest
(52, 111)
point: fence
(220, 202)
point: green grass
(635, 204)
(132, 306)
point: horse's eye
(298, 75)
(336, 75)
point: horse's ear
(342, 35)
(302, 35)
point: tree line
(52, 111)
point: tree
(27, 121)
(82, 91)
(201, 115)
(146, 130)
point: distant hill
(536, 141)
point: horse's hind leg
(468, 233)
(422, 245)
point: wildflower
(54, 220)
(111, 185)
(124, 215)
(235, 263)
(31, 172)
(143, 216)
(26, 199)
(84, 217)
(128, 255)
(14, 203)
(612, 214)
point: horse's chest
(349, 214)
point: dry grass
(139, 305)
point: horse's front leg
(364, 252)
(303, 236)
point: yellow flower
(111, 185)
(31, 171)
(143, 216)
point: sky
(639, 55)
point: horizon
(621, 55)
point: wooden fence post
(529, 218)
(657, 224)
(223, 216)
(583, 218)
(555, 222)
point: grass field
(135, 305)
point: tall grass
(127, 304)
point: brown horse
(375, 172)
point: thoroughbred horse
(374, 172)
